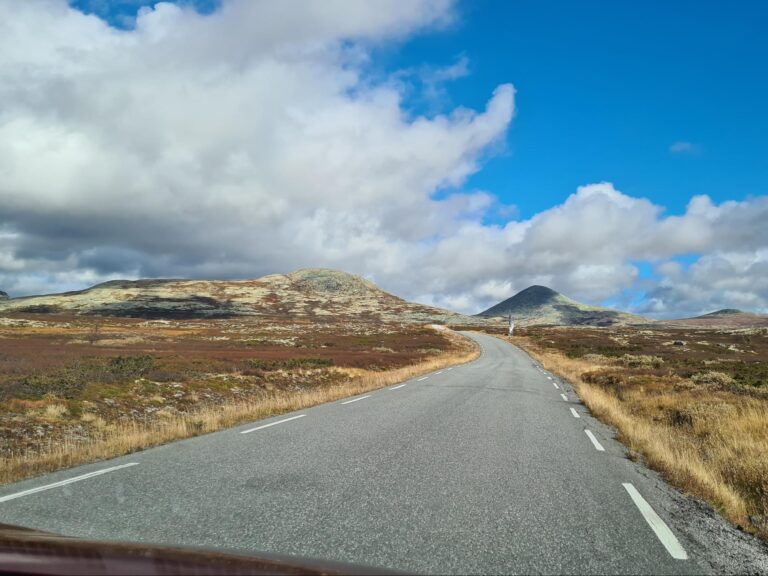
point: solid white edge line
(595, 442)
(272, 424)
(564, 397)
(65, 482)
(356, 399)
(396, 387)
(575, 414)
(662, 531)
(420, 379)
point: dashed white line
(595, 442)
(396, 387)
(564, 397)
(662, 531)
(555, 385)
(272, 424)
(451, 368)
(357, 399)
(549, 377)
(65, 482)
(437, 373)
(420, 379)
(575, 414)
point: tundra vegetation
(691, 403)
(75, 389)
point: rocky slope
(541, 305)
(313, 293)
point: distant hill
(542, 305)
(725, 318)
(315, 293)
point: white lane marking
(65, 482)
(451, 368)
(595, 442)
(556, 386)
(272, 424)
(420, 379)
(356, 399)
(575, 414)
(396, 387)
(549, 377)
(662, 531)
(564, 397)
(436, 373)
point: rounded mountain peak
(538, 292)
(725, 312)
(328, 280)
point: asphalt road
(483, 468)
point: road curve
(489, 467)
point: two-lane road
(489, 467)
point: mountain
(314, 293)
(725, 318)
(542, 305)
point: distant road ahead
(490, 467)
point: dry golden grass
(54, 411)
(124, 438)
(710, 443)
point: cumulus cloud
(236, 143)
(587, 247)
(252, 140)
(722, 279)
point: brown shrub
(712, 378)
(641, 361)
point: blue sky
(605, 88)
(454, 152)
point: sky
(452, 152)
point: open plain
(78, 388)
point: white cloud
(586, 248)
(238, 143)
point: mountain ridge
(318, 293)
(725, 318)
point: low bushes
(289, 363)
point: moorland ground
(78, 388)
(692, 403)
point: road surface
(489, 467)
